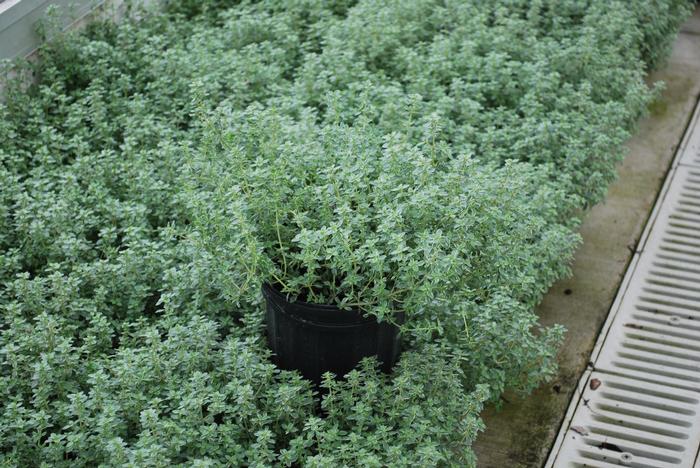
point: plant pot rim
(328, 314)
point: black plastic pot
(315, 339)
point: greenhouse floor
(521, 433)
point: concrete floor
(521, 434)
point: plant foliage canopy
(428, 156)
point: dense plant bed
(432, 154)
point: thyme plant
(343, 215)
(432, 155)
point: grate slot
(685, 217)
(640, 411)
(659, 359)
(687, 253)
(676, 266)
(686, 199)
(671, 403)
(680, 230)
(581, 462)
(688, 324)
(668, 331)
(691, 193)
(689, 210)
(661, 340)
(673, 292)
(682, 239)
(667, 310)
(677, 257)
(663, 300)
(654, 370)
(639, 424)
(681, 353)
(634, 436)
(614, 458)
(673, 279)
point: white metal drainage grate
(624, 422)
(639, 405)
(656, 333)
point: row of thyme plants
(155, 169)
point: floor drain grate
(623, 421)
(639, 405)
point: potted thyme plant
(346, 230)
